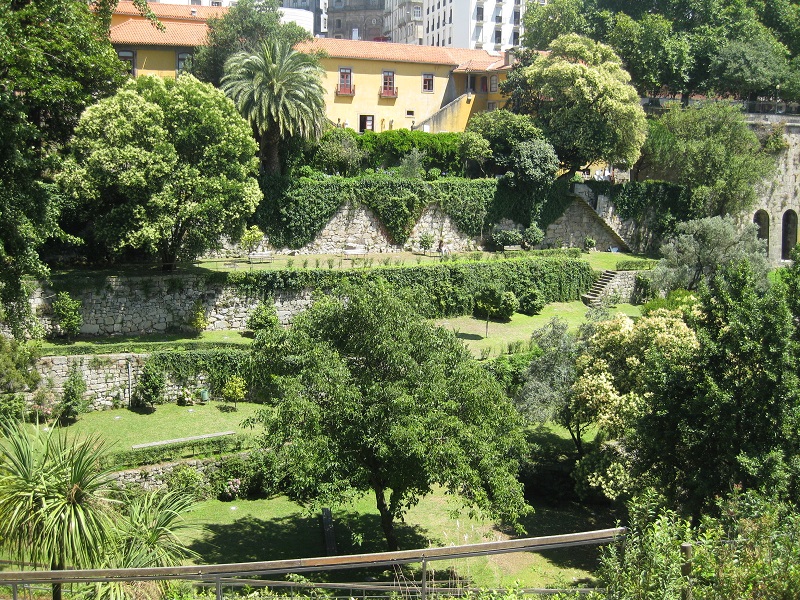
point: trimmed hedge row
(294, 211)
(444, 289)
(131, 459)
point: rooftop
(173, 11)
(462, 59)
(144, 33)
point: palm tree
(147, 535)
(278, 90)
(52, 509)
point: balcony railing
(387, 92)
(345, 90)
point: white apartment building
(404, 23)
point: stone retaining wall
(110, 378)
(622, 286)
(151, 477)
(141, 305)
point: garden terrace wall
(141, 305)
(110, 378)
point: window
(366, 123)
(388, 90)
(516, 17)
(493, 83)
(345, 87)
(182, 59)
(417, 12)
(490, 106)
(479, 14)
(498, 18)
(515, 38)
(129, 58)
(427, 82)
(216, 2)
(196, 2)
(498, 36)
(410, 114)
(338, 23)
(450, 20)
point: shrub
(507, 237)
(636, 264)
(264, 316)
(589, 243)
(234, 390)
(242, 476)
(12, 407)
(149, 389)
(198, 320)
(433, 174)
(188, 481)
(532, 302)
(532, 236)
(494, 303)
(72, 402)
(251, 239)
(68, 314)
(426, 241)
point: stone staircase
(599, 290)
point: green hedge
(131, 459)
(293, 212)
(634, 264)
(444, 289)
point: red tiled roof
(144, 33)
(173, 11)
(462, 59)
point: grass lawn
(520, 327)
(145, 343)
(250, 530)
(123, 427)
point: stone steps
(594, 296)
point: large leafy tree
(55, 60)
(278, 90)
(712, 151)
(728, 413)
(545, 22)
(368, 397)
(243, 28)
(582, 99)
(165, 166)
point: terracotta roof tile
(462, 59)
(173, 11)
(143, 32)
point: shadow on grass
(252, 539)
(142, 410)
(469, 336)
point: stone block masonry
(142, 305)
(110, 378)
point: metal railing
(258, 574)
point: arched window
(761, 219)
(789, 234)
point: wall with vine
(294, 212)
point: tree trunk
(270, 153)
(57, 565)
(387, 522)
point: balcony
(345, 90)
(387, 92)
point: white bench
(193, 438)
(352, 251)
(513, 248)
(260, 257)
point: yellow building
(369, 86)
(378, 86)
(153, 51)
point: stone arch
(789, 238)
(761, 219)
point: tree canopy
(711, 150)
(368, 397)
(164, 166)
(582, 99)
(243, 28)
